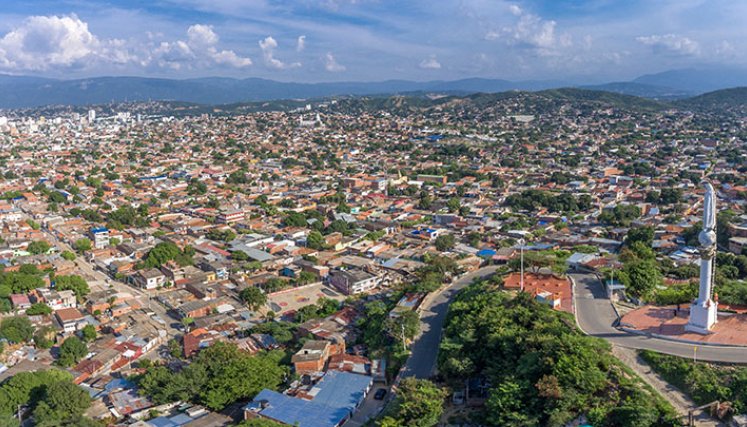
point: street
(596, 317)
(424, 350)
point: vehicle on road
(380, 393)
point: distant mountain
(642, 90)
(24, 91)
(697, 80)
(720, 99)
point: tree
(38, 247)
(239, 256)
(218, 376)
(71, 351)
(644, 235)
(445, 242)
(259, 422)
(63, 404)
(315, 240)
(641, 277)
(67, 255)
(88, 333)
(407, 321)
(74, 283)
(253, 297)
(419, 403)
(83, 244)
(39, 308)
(16, 329)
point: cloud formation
(268, 46)
(43, 43)
(530, 31)
(671, 44)
(331, 64)
(301, 44)
(430, 63)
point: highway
(596, 317)
(424, 350)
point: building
(311, 357)
(230, 217)
(69, 319)
(100, 237)
(151, 278)
(329, 403)
(353, 281)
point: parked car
(380, 393)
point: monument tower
(704, 310)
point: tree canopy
(541, 370)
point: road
(596, 317)
(424, 351)
(89, 272)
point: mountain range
(27, 91)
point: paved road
(596, 317)
(422, 361)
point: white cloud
(301, 43)
(44, 42)
(331, 64)
(430, 63)
(201, 35)
(671, 44)
(532, 32)
(48, 43)
(268, 46)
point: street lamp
(521, 249)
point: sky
(370, 40)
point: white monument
(704, 309)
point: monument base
(702, 318)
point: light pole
(521, 279)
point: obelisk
(703, 312)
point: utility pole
(521, 280)
(404, 345)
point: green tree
(315, 240)
(641, 277)
(71, 351)
(67, 255)
(88, 333)
(83, 244)
(63, 403)
(16, 329)
(253, 297)
(39, 308)
(407, 321)
(445, 242)
(419, 403)
(645, 235)
(74, 283)
(38, 247)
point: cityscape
(187, 240)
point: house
(20, 302)
(547, 288)
(100, 237)
(353, 281)
(311, 357)
(56, 300)
(69, 319)
(329, 403)
(151, 278)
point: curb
(681, 341)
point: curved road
(422, 360)
(596, 317)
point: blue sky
(367, 40)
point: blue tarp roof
(486, 253)
(338, 395)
